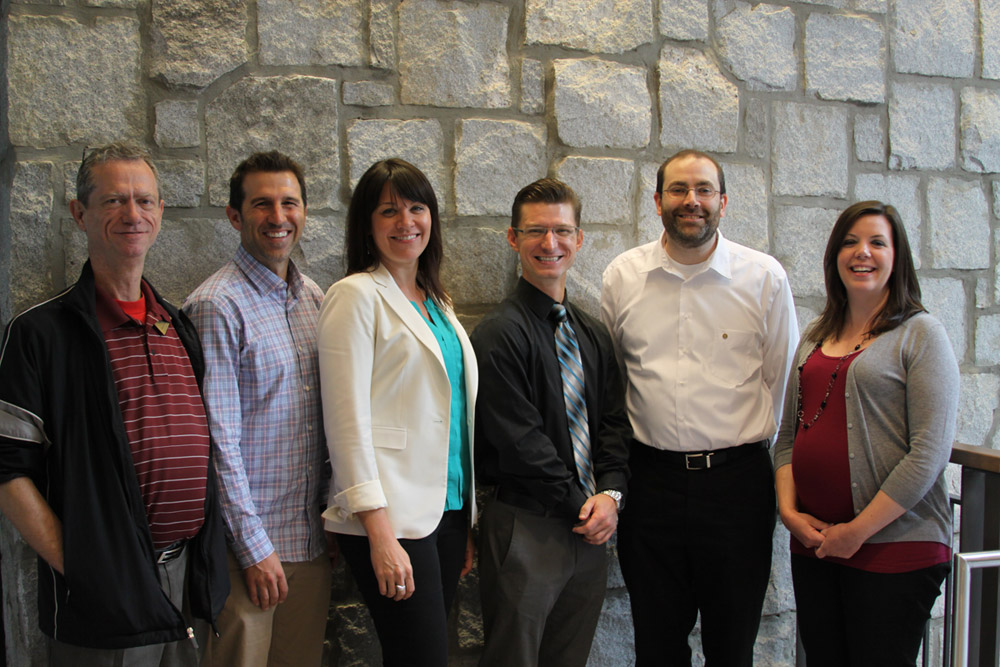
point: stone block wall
(809, 104)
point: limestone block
(600, 246)
(382, 34)
(685, 20)
(934, 37)
(780, 596)
(186, 252)
(73, 83)
(800, 236)
(601, 103)
(601, 26)
(649, 226)
(989, 28)
(320, 253)
(809, 152)
(469, 624)
(979, 125)
(193, 42)
(296, 114)
(840, 4)
(903, 193)
(479, 266)
(32, 237)
(353, 635)
(959, 224)
(310, 32)
(532, 86)
(182, 182)
(698, 105)
(775, 645)
(419, 142)
(368, 93)
(745, 221)
(603, 186)
(988, 340)
(845, 58)
(25, 643)
(977, 402)
(984, 293)
(869, 138)
(921, 126)
(61, 3)
(493, 160)
(454, 54)
(758, 44)
(874, 6)
(613, 641)
(945, 299)
(176, 124)
(755, 132)
(125, 4)
(804, 315)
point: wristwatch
(615, 496)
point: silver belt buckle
(688, 458)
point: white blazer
(386, 405)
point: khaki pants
(290, 633)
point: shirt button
(849, 455)
(847, 394)
(850, 425)
(854, 484)
(307, 387)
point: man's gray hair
(113, 152)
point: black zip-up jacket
(61, 425)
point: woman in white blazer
(399, 380)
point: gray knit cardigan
(902, 398)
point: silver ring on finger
(401, 588)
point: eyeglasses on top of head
(702, 192)
(540, 232)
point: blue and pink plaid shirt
(262, 396)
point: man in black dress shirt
(553, 443)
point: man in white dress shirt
(705, 330)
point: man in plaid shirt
(256, 318)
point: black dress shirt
(522, 438)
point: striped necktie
(571, 370)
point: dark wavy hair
(269, 162)
(690, 152)
(404, 181)
(904, 290)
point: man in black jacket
(104, 445)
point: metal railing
(972, 609)
(965, 563)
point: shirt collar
(718, 261)
(264, 279)
(538, 302)
(111, 316)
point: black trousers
(852, 618)
(414, 631)
(691, 541)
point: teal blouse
(459, 460)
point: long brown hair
(408, 182)
(904, 290)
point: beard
(686, 235)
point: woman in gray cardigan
(866, 433)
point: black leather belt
(706, 460)
(171, 552)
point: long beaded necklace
(829, 386)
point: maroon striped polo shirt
(163, 413)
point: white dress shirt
(706, 352)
